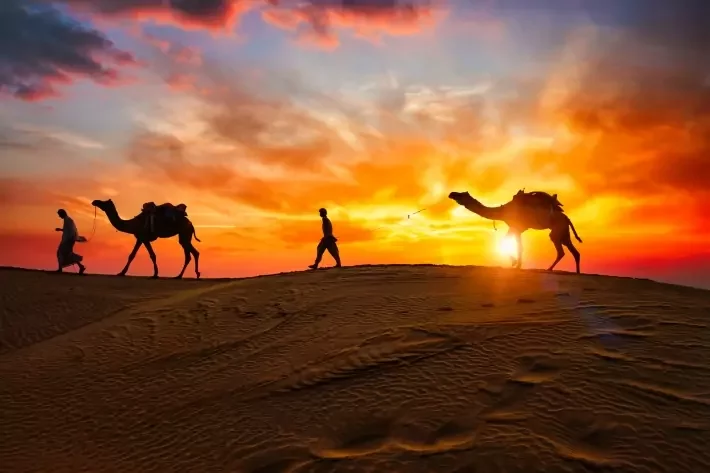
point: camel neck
(117, 222)
(491, 213)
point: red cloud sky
(62, 49)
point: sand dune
(383, 369)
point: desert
(374, 368)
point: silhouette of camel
(164, 228)
(520, 217)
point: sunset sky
(257, 113)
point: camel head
(461, 198)
(103, 204)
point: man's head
(323, 212)
(62, 213)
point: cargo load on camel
(538, 199)
(166, 212)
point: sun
(508, 246)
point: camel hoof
(155, 276)
(197, 275)
(177, 277)
(121, 274)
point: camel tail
(194, 232)
(569, 220)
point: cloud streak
(319, 23)
(192, 14)
(641, 99)
(40, 48)
(43, 49)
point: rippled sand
(382, 368)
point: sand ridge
(381, 368)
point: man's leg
(79, 258)
(60, 257)
(67, 257)
(334, 252)
(319, 254)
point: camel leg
(560, 254)
(131, 257)
(575, 253)
(196, 255)
(186, 249)
(519, 245)
(513, 259)
(153, 258)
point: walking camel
(163, 228)
(522, 214)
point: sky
(256, 113)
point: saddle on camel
(167, 212)
(538, 199)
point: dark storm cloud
(200, 13)
(40, 47)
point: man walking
(65, 252)
(327, 242)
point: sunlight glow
(508, 246)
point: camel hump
(539, 199)
(165, 208)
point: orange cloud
(624, 147)
(317, 24)
(640, 100)
(178, 53)
(191, 14)
(367, 20)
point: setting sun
(507, 246)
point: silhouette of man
(65, 251)
(327, 242)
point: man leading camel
(327, 242)
(65, 251)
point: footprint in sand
(612, 334)
(536, 369)
(285, 459)
(385, 435)
(206, 303)
(588, 438)
(454, 434)
(609, 355)
(364, 439)
(523, 300)
(508, 394)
